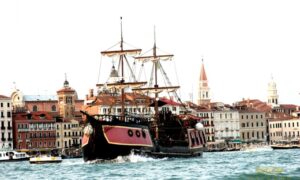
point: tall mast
(121, 54)
(155, 86)
(122, 74)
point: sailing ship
(112, 134)
(118, 131)
(174, 135)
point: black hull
(99, 148)
(174, 140)
(15, 160)
(284, 147)
(173, 152)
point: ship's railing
(128, 118)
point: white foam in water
(257, 148)
(134, 158)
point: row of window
(226, 116)
(253, 134)
(257, 124)
(3, 126)
(38, 135)
(205, 115)
(289, 124)
(40, 144)
(8, 114)
(252, 116)
(68, 134)
(68, 126)
(3, 104)
(286, 134)
(69, 143)
(8, 135)
(35, 108)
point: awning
(237, 141)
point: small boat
(285, 146)
(41, 159)
(13, 156)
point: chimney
(91, 93)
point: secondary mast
(155, 59)
(122, 57)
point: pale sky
(242, 43)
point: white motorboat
(41, 159)
(13, 156)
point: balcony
(23, 130)
(9, 139)
(3, 139)
(9, 127)
(3, 128)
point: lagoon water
(271, 164)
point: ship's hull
(107, 139)
(173, 152)
(285, 147)
(112, 139)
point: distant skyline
(243, 44)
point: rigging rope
(132, 75)
(99, 70)
(177, 79)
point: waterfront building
(284, 128)
(111, 104)
(33, 103)
(207, 116)
(63, 108)
(208, 122)
(226, 123)
(204, 90)
(272, 94)
(253, 125)
(34, 130)
(6, 140)
(288, 109)
(68, 133)
(68, 128)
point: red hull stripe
(129, 136)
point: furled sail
(154, 58)
(122, 85)
(129, 52)
(156, 89)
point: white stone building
(253, 125)
(226, 124)
(6, 140)
(284, 129)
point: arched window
(34, 108)
(53, 108)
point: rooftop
(40, 98)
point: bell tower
(204, 90)
(272, 93)
(66, 100)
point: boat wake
(133, 158)
(257, 148)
